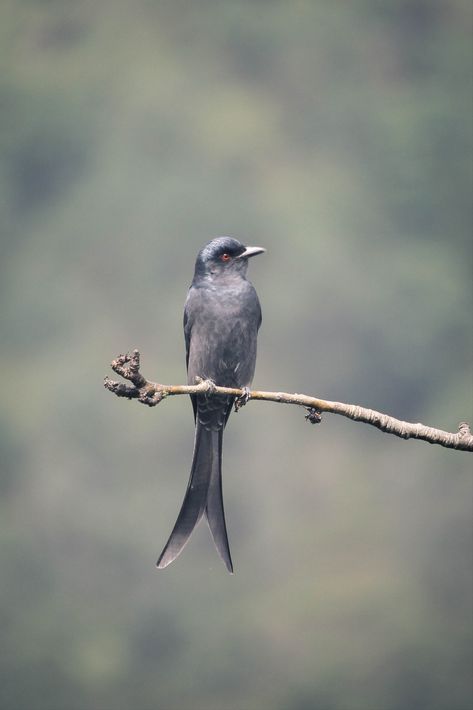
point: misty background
(337, 136)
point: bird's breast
(223, 347)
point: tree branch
(151, 393)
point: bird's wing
(191, 304)
(188, 320)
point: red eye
(225, 257)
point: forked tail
(203, 495)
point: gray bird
(222, 316)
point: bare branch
(151, 393)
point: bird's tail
(203, 495)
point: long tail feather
(195, 499)
(214, 511)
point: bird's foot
(243, 399)
(211, 386)
(314, 416)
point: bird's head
(224, 255)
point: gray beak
(251, 251)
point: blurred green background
(338, 136)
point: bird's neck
(220, 281)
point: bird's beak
(251, 251)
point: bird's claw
(314, 416)
(211, 386)
(243, 399)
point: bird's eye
(225, 257)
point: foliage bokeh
(338, 136)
